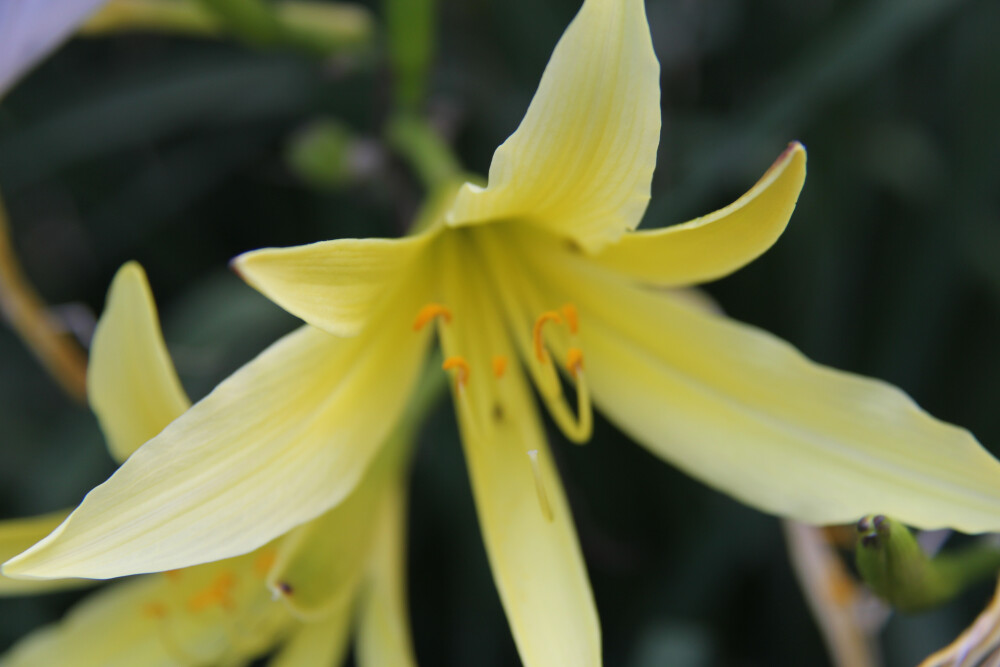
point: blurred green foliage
(171, 151)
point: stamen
(428, 313)
(499, 366)
(548, 316)
(218, 593)
(172, 575)
(572, 317)
(543, 497)
(574, 361)
(579, 427)
(462, 376)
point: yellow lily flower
(297, 594)
(543, 260)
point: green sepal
(892, 564)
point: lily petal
(321, 563)
(719, 243)
(582, 160)
(278, 443)
(748, 414)
(83, 634)
(30, 30)
(535, 558)
(214, 614)
(319, 644)
(383, 634)
(132, 385)
(16, 535)
(334, 285)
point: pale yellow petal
(16, 535)
(719, 243)
(334, 285)
(215, 614)
(581, 162)
(383, 630)
(321, 563)
(282, 440)
(749, 415)
(132, 385)
(320, 644)
(86, 633)
(535, 558)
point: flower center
(480, 423)
(184, 595)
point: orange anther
(548, 316)
(154, 610)
(572, 317)
(172, 575)
(264, 562)
(574, 360)
(217, 593)
(462, 376)
(499, 366)
(428, 313)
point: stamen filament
(577, 428)
(466, 411)
(543, 497)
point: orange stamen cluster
(428, 313)
(219, 592)
(499, 366)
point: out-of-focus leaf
(851, 53)
(209, 92)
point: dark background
(171, 151)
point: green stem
(429, 156)
(409, 26)
(317, 28)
